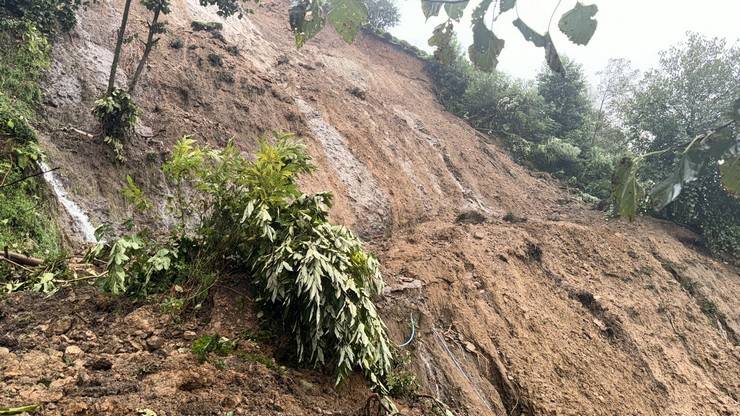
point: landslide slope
(567, 313)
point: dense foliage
(117, 114)
(382, 14)
(49, 16)
(25, 224)
(691, 92)
(547, 125)
(311, 276)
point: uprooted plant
(312, 277)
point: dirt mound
(81, 352)
(564, 313)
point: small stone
(72, 353)
(478, 236)
(154, 343)
(189, 335)
(470, 347)
(62, 325)
(4, 351)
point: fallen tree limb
(28, 177)
(21, 259)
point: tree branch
(28, 177)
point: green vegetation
(382, 14)
(312, 278)
(212, 344)
(682, 121)
(117, 114)
(116, 110)
(25, 223)
(551, 125)
(547, 125)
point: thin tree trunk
(117, 53)
(147, 48)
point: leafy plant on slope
(312, 277)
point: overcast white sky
(633, 29)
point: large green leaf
(704, 149)
(347, 16)
(529, 33)
(505, 5)
(486, 47)
(442, 39)
(306, 20)
(455, 10)
(430, 8)
(627, 194)
(541, 41)
(579, 24)
(730, 175)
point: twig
(12, 263)
(549, 24)
(28, 177)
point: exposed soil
(81, 352)
(566, 313)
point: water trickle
(82, 224)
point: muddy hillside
(557, 311)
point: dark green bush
(25, 224)
(49, 16)
(117, 114)
(382, 14)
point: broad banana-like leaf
(541, 41)
(431, 8)
(529, 33)
(505, 5)
(455, 10)
(486, 47)
(306, 20)
(347, 16)
(730, 175)
(704, 149)
(579, 24)
(627, 194)
(442, 39)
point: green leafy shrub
(177, 43)
(212, 344)
(117, 113)
(556, 155)
(50, 16)
(25, 223)
(312, 277)
(382, 14)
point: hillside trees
(683, 123)
(382, 14)
(566, 97)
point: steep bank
(566, 313)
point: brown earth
(567, 313)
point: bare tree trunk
(117, 53)
(20, 258)
(150, 41)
